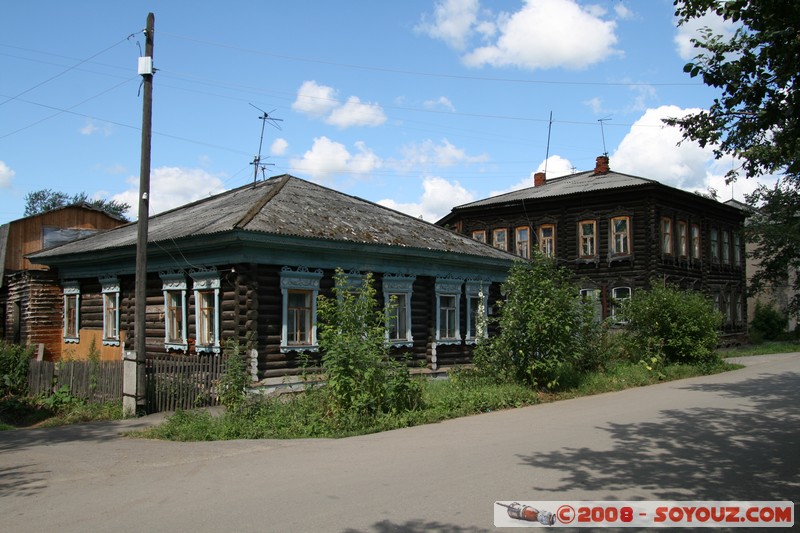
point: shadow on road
(418, 526)
(21, 480)
(698, 454)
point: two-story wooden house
(617, 233)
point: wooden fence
(93, 381)
(182, 381)
(172, 381)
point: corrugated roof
(565, 185)
(289, 206)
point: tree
(756, 118)
(47, 199)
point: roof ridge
(264, 200)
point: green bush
(361, 379)
(235, 379)
(768, 323)
(14, 362)
(668, 325)
(545, 330)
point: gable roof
(286, 206)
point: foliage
(543, 326)
(235, 379)
(755, 118)
(768, 323)
(361, 379)
(14, 362)
(668, 325)
(47, 199)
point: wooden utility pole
(134, 393)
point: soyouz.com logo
(643, 514)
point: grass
(761, 349)
(29, 412)
(465, 393)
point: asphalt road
(734, 436)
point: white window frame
(448, 287)
(72, 291)
(618, 301)
(547, 246)
(626, 242)
(477, 292)
(667, 237)
(590, 240)
(206, 282)
(682, 233)
(174, 284)
(110, 293)
(399, 285)
(299, 280)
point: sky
(416, 105)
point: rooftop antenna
(547, 153)
(257, 164)
(603, 133)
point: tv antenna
(547, 153)
(603, 134)
(257, 164)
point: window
(683, 240)
(397, 291)
(587, 238)
(695, 241)
(299, 289)
(619, 295)
(593, 297)
(666, 236)
(523, 244)
(477, 309)
(479, 235)
(620, 235)
(547, 239)
(726, 247)
(499, 239)
(174, 289)
(714, 244)
(206, 319)
(737, 249)
(72, 311)
(110, 292)
(448, 300)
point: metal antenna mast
(257, 159)
(603, 133)
(547, 153)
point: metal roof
(288, 206)
(581, 182)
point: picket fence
(172, 381)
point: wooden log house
(617, 233)
(30, 298)
(250, 263)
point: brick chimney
(539, 179)
(601, 165)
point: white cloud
(327, 158)
(315, 100)
(430, 154)
(91, 127)
(439, 196)
(442, 102)
(453, 22)
(356, 113)
(595, 104)
(171, 187)
(553, 43)
(279, 146)
(554, 167)
(5, 175)
(690, 30)
(623, 12)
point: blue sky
(417, 105)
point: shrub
(668, 325)
(360, 376)
(768, 323)
(544, 327)
(234, 380)
(14, 362)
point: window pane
(206, 314)
(620, 235)
(447, 317)
(587, 239)
(398, 322)
(71, 315)
(174, 318)
(110, 316)
(299, 317)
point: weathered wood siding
(34, 311)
